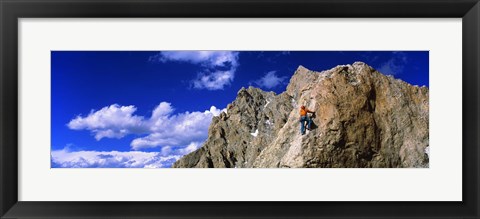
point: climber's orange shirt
(304, 112)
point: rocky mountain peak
(362, 119)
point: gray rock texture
(362, 119)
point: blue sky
(148, 108)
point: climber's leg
(302, 125)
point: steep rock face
(363, 119)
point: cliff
(362, 119)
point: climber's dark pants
(304, 119)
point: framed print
(239, 109)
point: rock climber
(305, 118)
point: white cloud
(176, 130)
(210, 58)
(191, 148)
(163, 109)
(395, 65)
(219, 66)
(270, 80)
(182, 151)
(110, 122)
(162, 129)
(216, 111)
(111, 159)
(213, 81)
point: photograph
(240, 109)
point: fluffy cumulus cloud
(395, 65)
(176, 130)
(111, 159)
(270, 80)
(162, 129)
(110, 122)
(218, 66)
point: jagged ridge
(363, 119)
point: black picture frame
(12, 10)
